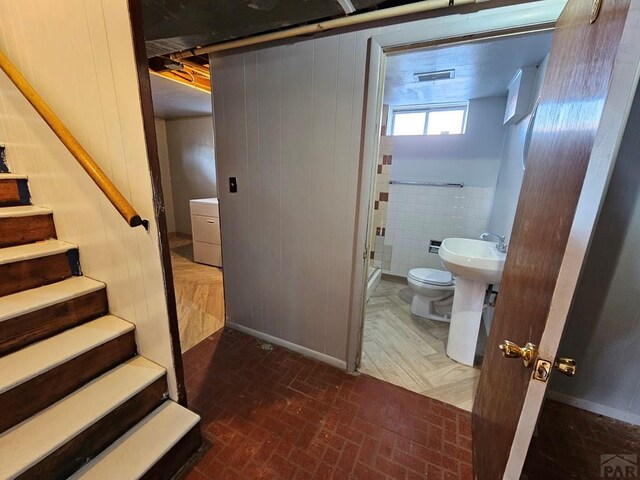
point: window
(429, 120)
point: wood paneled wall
(288, 126)
(79, 56)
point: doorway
(184, 129)
(449, 165)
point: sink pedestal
(466, 314)
(476, 264)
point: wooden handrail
(66, 137)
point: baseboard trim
(394, 278)
(307, 352)
(593, 407)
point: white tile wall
(418, 214)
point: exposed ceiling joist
(187, 77)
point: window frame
(427, 109)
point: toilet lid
(431, 276)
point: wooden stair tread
(33, 360)
(13, 176)
(133, 454)
(23, 211)
(34, 250)
(38, 298)
(28, 443)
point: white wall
(97, 97)
(165, 172)
(473, 158)
(192, 163)
(603, 328)
(511, 171)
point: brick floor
(273, 414)
(569, 443)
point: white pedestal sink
(476, 264)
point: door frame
(148, 120)
(622, 91)
(434, 31)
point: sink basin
(473, 259)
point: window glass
(410, 123)
(442, 122)
(434, 119)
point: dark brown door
(542, 265)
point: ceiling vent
(435, 76)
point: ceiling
(175, 100)
(482, 69)
(174, 25)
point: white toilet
(432, 293)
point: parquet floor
(410, 352)
(199, 294)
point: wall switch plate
(233, 185)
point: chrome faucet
(500, 240)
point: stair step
(13, 176)
(42, 373)
(32, 315)
(39, 298)
(23, 211)
(25, 224)
(29, 266)
(14, 190)
(35, 250)
(155, 438)
(35, 359)
(59, 440)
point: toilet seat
(431, 276)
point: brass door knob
(566, 366)
(528, 353)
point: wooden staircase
(76, 400)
